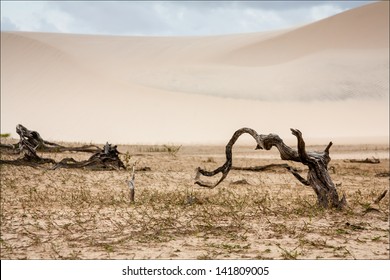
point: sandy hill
(364, 28)
(329, 78)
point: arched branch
(265, 142)
(318, 176)
(225, 168)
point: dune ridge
(329, 78)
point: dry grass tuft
(75, 214)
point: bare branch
(298, 176)
(261, 168)
(379, 198)
(318, 176)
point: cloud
(109, 17)
(8, 24)
(32, 16)
(165, 17)
(324, 11)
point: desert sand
(330, 79)
(81, 214)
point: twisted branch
(318, 176)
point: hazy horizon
(330, 79)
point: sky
(165, 18)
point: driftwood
(240, 182)
(318, 177)
(383, 174)
(34, 140)
(263, 167)
(367, 160)
(30, 142)
(102, 160)
(106, 159)
(29, 156)
(379, 198)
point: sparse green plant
(288, 255)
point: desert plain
(171, 104)
(81, 214)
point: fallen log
(367, 160)
(30, 142)
(106, 159)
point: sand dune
(329, 78)
(364, 28)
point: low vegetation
(83, 214)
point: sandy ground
(78, 214)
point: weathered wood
(383, 174)
(31, 141)
(30, 156)
(272, 166)
(35, 141)
(379, 198)
(318, 177)
(240, 182)
(9, 148)
(105, 159)
(367, 160)
(102, 160)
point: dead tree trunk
(318, 177)
(36, 142)
(30, 142)
(29, 158)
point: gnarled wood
(30, 156)
(318, 177)
(263, 167)
(106, 159)
(30, 142)
(35, 141)
(367, 160)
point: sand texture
(329, 78)
(78, 214)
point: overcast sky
(164, 18)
